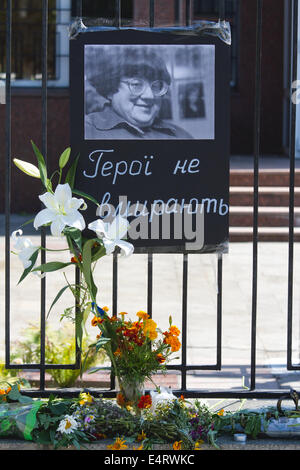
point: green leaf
(101, 343)
(101, 251)
(87, 269)
(15, 395)
(57, 297)
(75, 235)
(78, 328)
(33, 259)
(70, 177)
(64, 158)
(86, 196)
(41, 164)
(51, 266)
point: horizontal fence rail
(183, 368)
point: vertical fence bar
(187, 12)
(292, 142)
(222, 12)
(7, 177)
(44, 152)
(219, 311)
(151, 13)
(257, 112)
(118, 19)
(149, 283)
(114, 304)
(79, 8)
(177, 10)
(184, 320)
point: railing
(184, 367)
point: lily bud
(27, 168)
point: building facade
(26, 73)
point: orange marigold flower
(160, 358)
(123, 313)
(177, 445)
(9, 389)
(96, 321)
(143, 315)
(221, 412)
(118, 352)
(174, 330)
(118, 445)
(105, 309)
(145, 402)
(74, 259)
(173, 341)
(121, 399)
(2, 391)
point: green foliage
(60, 349)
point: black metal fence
(183, 367)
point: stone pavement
(202, 297)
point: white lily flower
(112, 234)
(61, 210)
(23, 247)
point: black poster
(150, 119)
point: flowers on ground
(119, 444)
(145, 402)
(67, 425)
(177, 445)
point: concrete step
(267, 216)
(267, 196)
(279, 177)
(265, 234)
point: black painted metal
(183, 368)
(292, 188)
(255, 187)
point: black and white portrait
(150, 92)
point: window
(209, 9)
(26, 67)
(104, 9)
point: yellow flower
(141, 436)
(177, 445)
(105, 309)
(143, 315)
(198, 444)
(149, 328)
(85, 398)
(221, 412)
(117, 445)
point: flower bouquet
(137, 350)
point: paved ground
(202, 296)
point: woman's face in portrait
(136, 101)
